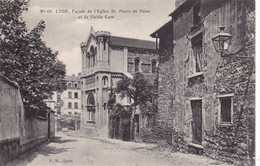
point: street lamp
(221, 41)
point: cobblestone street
(68, 150)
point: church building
(105, 60)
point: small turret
(103, 46)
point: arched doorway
(91, 107)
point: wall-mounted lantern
(221, 41)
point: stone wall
(19, 132)
(235, 142)
(178, 84)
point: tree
(25, 58)
(139, 89)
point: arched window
(91, 100)
(137, 64)
(153, 66)
(92, 54)
(69, 85)
(105, 106)
(75, 85)
(88, 60)
(91, 107)
(105, 80)
(104, 42)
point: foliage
(120, 111)
(138, 88)
(25, 58)
(68, 121)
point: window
(196, 14)
(58, 97)
(76, 95)
(137, 64)
(105, 41)
(225, 109)
(69, 85)
(75, 85)
(197, 54)
(153, 66)
(114, 96)
(69, 95)
(69, 105)
(76, 105)
(105, 106)
(105, 80)
(69, 113)
(75, 113)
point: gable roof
(163, 28)
(129, 42)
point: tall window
(69, 85)
(105, 41)
(75, 85)
(76, 95)
(69, 95)
(105, 80)
(197, 53)
(137, 64)
(76, 105)
(105, 106)
(196, 14)
(153, 66)
(69, 105)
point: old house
(105, 60)
(206, 100)
(69, 101)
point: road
(66, 150)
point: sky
(65, 31)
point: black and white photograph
(128, 83)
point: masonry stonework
(183, 89)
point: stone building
(206, 100)
(69, 101)
(105, 59)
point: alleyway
(67, 150)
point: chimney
(178, 3)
